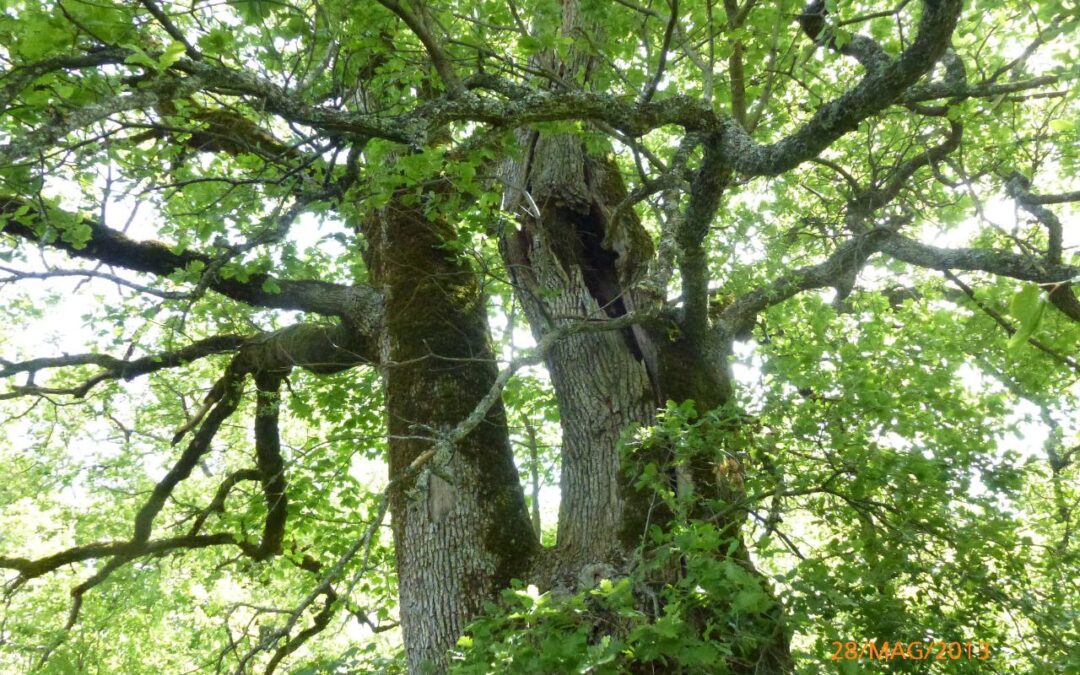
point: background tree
(304, 235)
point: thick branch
(128, 369)
(992, 261)
(435, 51)
(864, 50)
(875, 92)
(958, 92)
(111, 247)
(228, 132)
(1062, 198)
(1019, 188)
(320, 348)
(170, 27)
(20, 77)
(271, 465)
(1001, 263)
(45, 136)
(231, 386)
(846, 261)
(30, 569)
(705, 193)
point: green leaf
(849, 667)
(173, 53)
(530, 45)
(140, 58)
(1027, 307)
(217, 40)
(752, 600)
(1062, 126)
(254, 11)
(40, 36)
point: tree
(326, 204)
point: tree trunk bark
(565, 271)
(578, 256)
(570, 261)
(462, 536)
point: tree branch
(1019, 188)
(271, 466)
(20, 275)
(864, 50)
(319, 348)
(45, 136)
(229, 132)
(958, 92)
(129, 369)
(318, 624)
(361, 303)
(876, 91)
(217, 504)
(705, 193)
(31, 569)
(170, 28)
(673, 18)
(1008, 327)
(841, 268)
(20, 77)
(231, 390)
(1062, 198)
(848, 258)
(992, 261)
(438, 57)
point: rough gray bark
(570, 261)
(565, 272)
(461, 536)
(579, 254)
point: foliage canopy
(859, 217)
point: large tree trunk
(565, 272)
(579, 256)
(573, 259)
(459, 538)
(571, 262)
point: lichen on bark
(437, 364)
